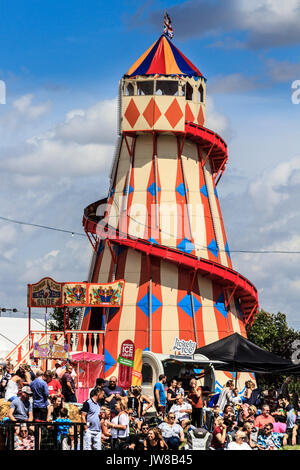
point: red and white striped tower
(163, 231)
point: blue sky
(61, 62)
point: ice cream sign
(185, 348)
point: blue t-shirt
(62, 430)
(162, 394)
(40, 393)
(21, 409)
(92, 411)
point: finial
(168, 30)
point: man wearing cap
(21, 407)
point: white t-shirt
(180, 415)
(234, 446)
(122, 419)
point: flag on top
(168, 30)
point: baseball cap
(27, 390)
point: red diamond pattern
(174, 113)
(188, 113)
(152, 112)
(200, 117)
(132, 113)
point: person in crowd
(172, 394)
(40, 395)
(154, 441)
(21, 407)
(284, 390)
(56, 405)
(239, 443)
(249, 387)
(172, 432)
(272, 399)
(290, 418)
(226, 395)
(138, 441)
(63, 428)
(23, 373)
(182, 410)
(90, 415)
(112, 393)
(24, 441)
(269, 440)
(251, 435)
(13, 386)
(180, 390)
(264, 418)
(119, 426)
(135, 401)
(28, 368)
(105, 433)
(249, 414)
(7, 373)
(160, 398)
(68, 385)
(54, 385)
(236, 398)
(101, 383)
(194, 397)
(219, 434)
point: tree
(271, 332)
(56, 322)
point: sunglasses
(171, 417)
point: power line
(73, 233)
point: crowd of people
(180, 415)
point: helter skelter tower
(163, 231)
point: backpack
(198, 439)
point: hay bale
(4, 407)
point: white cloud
(216, 120)
(24, 107)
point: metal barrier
(44, 435)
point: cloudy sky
(61, 62)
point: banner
(49, 293)
(45, 293)
(50, 350)
(137, 367)
(125, 360)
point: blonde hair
(252, 408)
(123, 405)
(240, 435)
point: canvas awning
(240, 355)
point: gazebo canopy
(240, 355)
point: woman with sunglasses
(172, 432)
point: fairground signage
(49, 293)
(50, 350)
(185, 348)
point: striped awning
(163, 58)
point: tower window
(200, 94)
(129, 90)
(145, 88)
(165, 87)
(189, 92)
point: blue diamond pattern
(181, 189)
(220, 306)
(152, 240)
(112, 192)
(216, 193)
(186, 246)
(143, 304)
(130, 189)
(185, 305)
(152, 187)
(109, 360)
(203, 190)
(213, 248)
(227, 249)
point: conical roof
(163, 58)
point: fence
(42, 436)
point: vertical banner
(126, 360)
(137, 367)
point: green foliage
(271, 332)
(56, 320)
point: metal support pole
(194, 318)
(150, 314)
